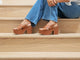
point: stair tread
(39, 43)
(17, 3)
(48, 55)
(21, 18)
(37, 35)
(4, 5)
(12, 18)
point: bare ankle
(52, 21)
(28, 20)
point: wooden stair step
(39, 55)
(14, 11)
(65, 25)
(38, 36)
(68, 42)
(18, 2)
(15, 8)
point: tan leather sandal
(23, 27)
(49, 29)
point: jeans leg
(50, 13)
(36, 12)
(72, 11)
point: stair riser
(39, 45)
(69, 26)
(14, 11)
(65, 26)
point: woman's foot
(24, 26)
(49, 28)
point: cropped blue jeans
(41, 10)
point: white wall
(0, 1)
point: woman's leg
(50, 13)
(34, 16)
(72, 11)
(36, 12)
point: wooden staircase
(33, 46)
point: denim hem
(32, 22)
(50, 19)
